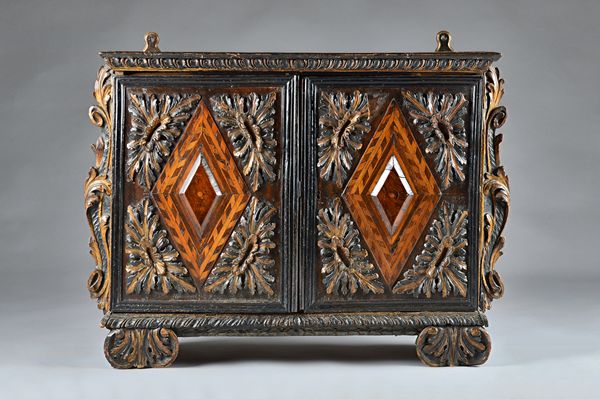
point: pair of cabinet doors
(285, 193)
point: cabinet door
(392, 214)
(200, 166)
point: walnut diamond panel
(201, 194)
(392, 194)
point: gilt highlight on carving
(98, 190)
(343, 122)
(249, 123)
(441, 267)
(439, 118)
(156, 123)
(495, 201)
(153, 265)
(246, 261)
(346, 265)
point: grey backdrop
(545, 331)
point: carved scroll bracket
(98, 189)
(495, 200)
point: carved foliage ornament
(343, 122)
(246, 262)
(139, 348)
(346, 265)
(496, 192)
(98, 190)
(441, 267)
(156, 123)
(439, 118)
(453, 346)
(249, 123)
(153, 265)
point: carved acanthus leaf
(153, 265)
(343, 122)
(441, 267)
(98, 190)
(440, 119)
(249, 123)
(156, 123)
(246, 262)
(346, 265)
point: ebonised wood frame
(144, 331)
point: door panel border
(309, 263)
(288, 84)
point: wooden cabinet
(268, 194)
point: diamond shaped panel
(200, 194)
(406, 193)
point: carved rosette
(441, 267)
(140, 348)
(454, 346)
(495, 201)
(249, 123)
(440, 119)
(153, 265)
(346, 265)
(343, 122)
(156, 123)
(246, 263)
(98, 190)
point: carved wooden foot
(139, 348)
(453, 346)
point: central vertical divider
(292, 193)
(308, 194)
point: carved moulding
(495, 199)
(441, 266)
(402, 62)
(343, 122)
(453, 346)
(346, 266)
(157, 121)
(246, 262)
(139, 348)
(249, 123)
(98, 190)
(295, 324)
(153, 265)
(440, 119)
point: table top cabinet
(296, 194)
